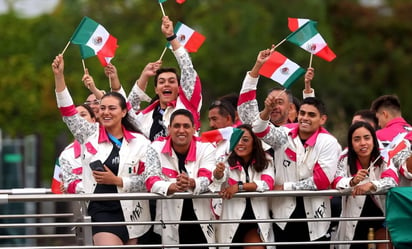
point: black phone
(97, 165)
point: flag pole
(64, 50)
(277, 45)
(161, 7)
(84, 66)
(163, 53)
(284, 90)
(310, 60)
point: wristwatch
(240, 185)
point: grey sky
(29, 7)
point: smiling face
(84, 113)
(309, 119)
(167, 88)
(181, 131)
(280, 114)
(244, 147)
(362, 143)
(94, 103)
(111, 113)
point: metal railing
(78, 224)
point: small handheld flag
(190, 39)
(94, 40)
(281, 69)
(308, 38)
(228, 133)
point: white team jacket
(235, 207)
(98, 147)
(162, 170)
(383, 177)
(189, 98)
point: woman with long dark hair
(115, 152)
(248, 168)
(363, 171)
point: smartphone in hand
(97, 165)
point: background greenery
(372, 45)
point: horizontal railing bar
(57, 215)
(122, 223)
(153, 196)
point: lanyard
(115, 140)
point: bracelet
(171, 38)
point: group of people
(283, 147)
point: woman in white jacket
(362, 170)
(116, 145)
(248, 168)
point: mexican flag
(398, 144)
(190, 39)
(94, 40)
(295, 23)
(308, 38)
(228, 133)
(57, 179)
(281, 69)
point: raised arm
(137, 94)
(309, 91)
(58, 70)
(247, 104)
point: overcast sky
(29, 7)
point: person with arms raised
(118, 149)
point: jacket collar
(191, 155)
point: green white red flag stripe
(308, 38)
(190, 39)
(94, 40)
(228, 133)
(57, 179)
(281, 69)
(295, 23)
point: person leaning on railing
(120, 148)
(362, 171)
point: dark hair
(297, 103)
(316, 103)
(281, 88)
(166, 70)
(89, 110)
(125, 120)
(352, 156)
(183, 112)
(231, 98)
(225, 109)
(258, 160)
(390, 102)
(369, 116)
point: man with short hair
(180, 163)
(388, 111)
(172, 92)
(306, 157)
(368, 116)
(221, 114)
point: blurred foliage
(371, 43)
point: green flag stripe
(296, 75)
(303, 34)
(84, 31)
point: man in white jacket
(306, 157)
(181, 163)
